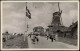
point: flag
(28, 14)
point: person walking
(33, 38)
(29, 35)
(56, 36)
(52, 37)
(47, 34)
(36, 37)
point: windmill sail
(58, 6)
(60, 14)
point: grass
(68, 41)
(17, 42)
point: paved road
(44, 43)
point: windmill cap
(57, 13)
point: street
(44, 43)
(18, 42)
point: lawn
(68, 41)
(17, 42)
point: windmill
(56, 24)
(57, 19)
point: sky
(14, 14)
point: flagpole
(28, 16)
(26, 28)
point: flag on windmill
(28, 14)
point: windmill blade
(61, 20)
(58, 6)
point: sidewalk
(44, 43)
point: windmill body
(56, 19)
(56, 23)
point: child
(33, 39)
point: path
(44, 43)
